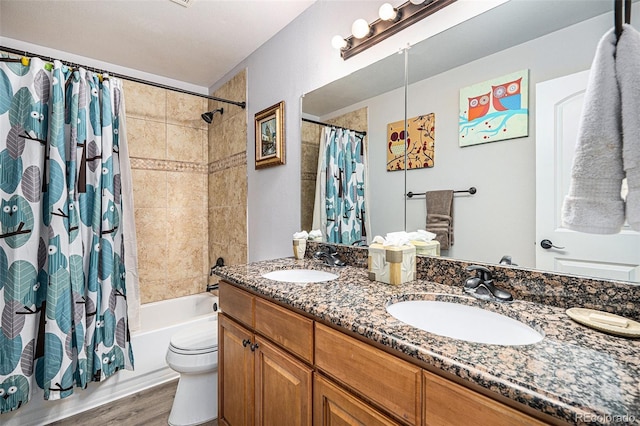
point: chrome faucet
(506, 260)
(328, 254)
(481, 286)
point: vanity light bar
(407, 14)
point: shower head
(208, 116)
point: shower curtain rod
(242, 105)
(332, 125)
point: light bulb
(338, 42)
(360, 28)
(387, 12)
(417, 1)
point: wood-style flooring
(150, 407)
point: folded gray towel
(594, 203)
(627, 71)
(440, 216)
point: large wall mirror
(550, 39)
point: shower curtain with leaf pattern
(340, 208)
(63, 299)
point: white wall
(297, 60)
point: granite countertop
(575, 374)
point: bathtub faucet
(211, 287)
(219, 263)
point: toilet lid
(197, 338)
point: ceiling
(196, 45)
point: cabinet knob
(245, 342)
(254, 347)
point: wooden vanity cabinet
(259, 382)
(278, 367)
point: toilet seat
(200, 339)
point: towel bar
(471, 191)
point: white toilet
(194, 354)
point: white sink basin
(464, 322)
(300, 276)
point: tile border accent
(167, 165)
(235, 160)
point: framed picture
(420, 145)
(495, 110)
(270, 136)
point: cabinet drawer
(290, 330)
(334, 406)
(390, 382)
(448, 403)
(237, 303)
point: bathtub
(159, 321)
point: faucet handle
(328, 248)
(481, 272)
(482, 287)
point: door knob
(547, 244)
(245, 342)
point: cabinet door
(235, 374)
(449, 404)
(333, 406)
(283, 387)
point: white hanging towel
(594, 203)
(628, 73)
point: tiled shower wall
(308, 172)
(168, 144)
(227, 176)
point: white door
(615, 257)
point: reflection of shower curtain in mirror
(65, 220)
(340, 208)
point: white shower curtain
(341, 209)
